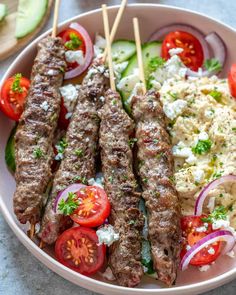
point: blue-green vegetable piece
(10, 151)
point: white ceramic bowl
(151, 17)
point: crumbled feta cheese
(68, 116)
(96, 182)
(181, 151)
(220, 223)
(87, 139)
(198, 175)
(203, 136)
(204, 267)
(188, 247)
(59, 157)
(128, 83)
(174, 109)
(52, 72)
(99, 46)
(45, 106)
(119, 68)
(69, 93)
(231, 254)
(211, 204)
(107, 235)
(102, 98)
(201, 229)
(209, 114)
(108, 274)
(75, 56)
(211, 251)
(175, 51)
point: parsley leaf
(213, 65)
(70, 205)
(202, 147)
(60, 147)
(155, 63)
(219, 213)
(132, 142)
(74, 42)
(16, 83)
(217, 95)
(38, 153)
(79, 153)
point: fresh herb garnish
(217, 174)
(70, 205)
(155, 141)
(173, 95)
(145, 180)
(234, 129)
(79, 153)
(217, 95)
(38, 153)
(110, 179)
(132, 142)
(155, 63)
(16, 84)
(202, 147)
(74, 42)
(60, 147)
(220, 213)
(212, 65)
(131, 222)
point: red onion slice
(64, 194)
(212, 185)
(220, 235)
(88, 54)
(162, 32)
(219, 52)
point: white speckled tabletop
(20, 272)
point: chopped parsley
(132, 142)
(217, 95)
(155, 141)
(221, 195)
(202, 147)
(74, 42)
(131, 222)
(60, 147)
(217, 174)
(38, 153)
(212, 65)
(145, 180)
(220, 213)
(234, 129)
(79, 179)
(174, 95)
(110, 179)
(16, 87)
(155, 63)
(70, 205)
(79, 153)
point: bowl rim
(52, 263)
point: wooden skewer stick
(139, 53)
(55, 18)
(107, 36)
(41, 244)
(32, 230)
(115, 25)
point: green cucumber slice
(149, 51)
(3, 11)
(122, 50)
(10, 151)
(29, 15)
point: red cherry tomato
(94, 207)
(13, 96)
(67, 38)
(190, 226)
(77, 248)
(232, 80)
(192, 55)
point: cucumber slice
(149, 50)
(30, 14)
(3, 11)
(122, 50)
(10, 151)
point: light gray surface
(20, 272)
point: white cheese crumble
(69, 93)
(175, 51)
(201, 229)
(75, 56)
(99, 46)
(203, 136)
(45, 106)
(52, 72)
(204, 267)
(211, 251)
(119, 68)
(220, 223)
(198, 175)
(107, 235)
(98, 181)
(174, 109)
(209, 114)
(188, 247)
(211, 204)
(181, 151)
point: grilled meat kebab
(78, 163)
(120, 185)
(155, 168)
(35, 132)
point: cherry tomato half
(77, 248)
(94, 208)
(192, 55)
(67, 38)
(190, 226)
(232, 80)
(13, 98)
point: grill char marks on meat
(34, 136)
(120, 185)
(78, 163)
(155, 164)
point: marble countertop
(20, 272)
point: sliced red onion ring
(212, 185)
(219, 52)
(162, 32)
(220, 235)
(88, 54)
(64, 194)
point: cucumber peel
(10, 151)
(3, 11)
(122, 50)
